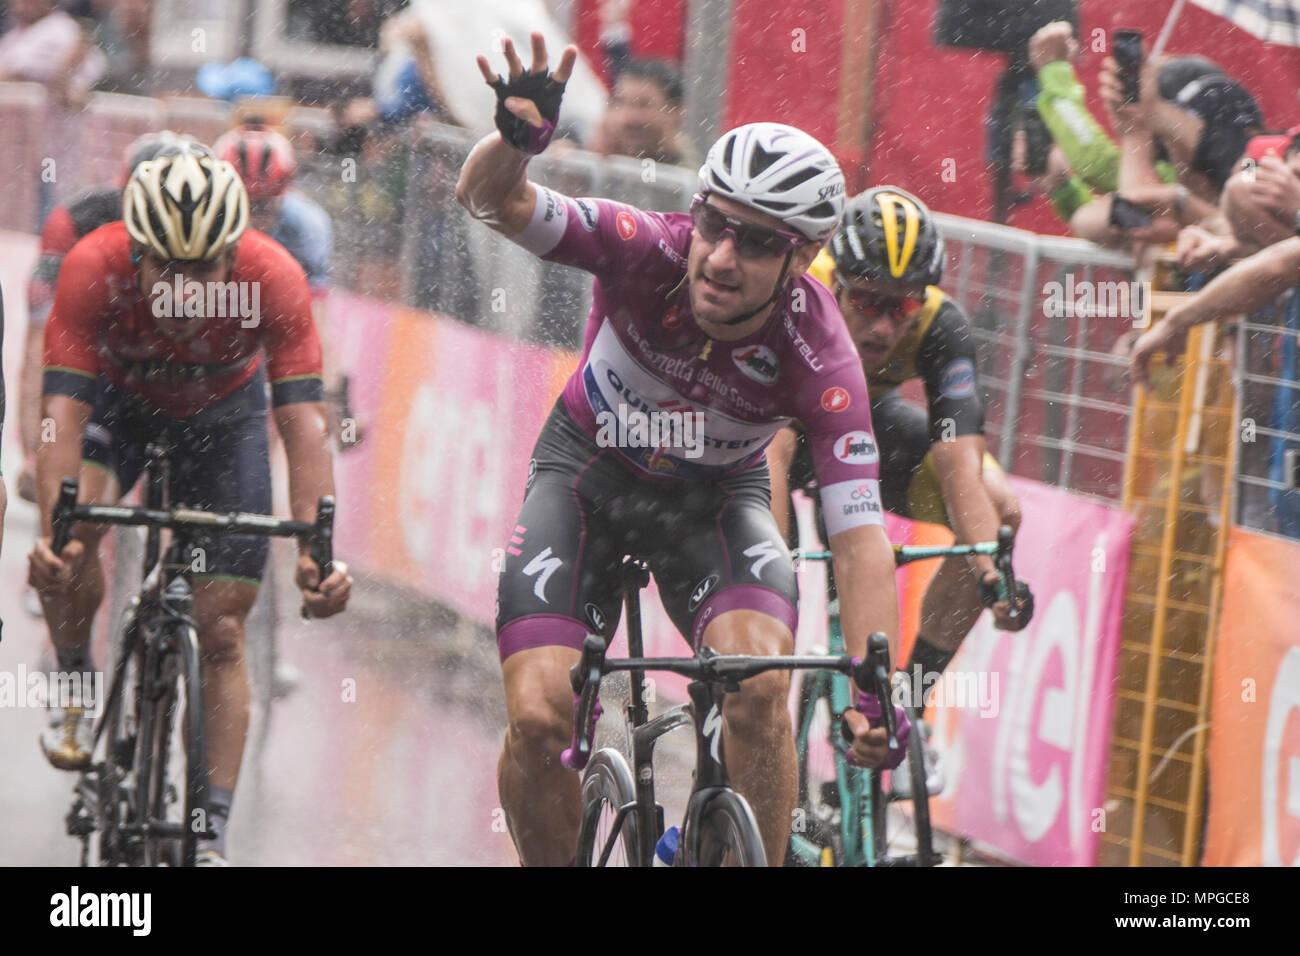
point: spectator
(123, 36)
(45, 45)
(42, 43)
(1173, 141)
(408, 84)
(645, 116)
(615, 35)
(340, 22)
(63, 229)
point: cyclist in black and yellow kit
(883, 265)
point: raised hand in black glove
(528, 104)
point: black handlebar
(319, 534)
(727, 669)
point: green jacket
(1092, 154)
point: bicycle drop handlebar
(871, 674)
(319, 534)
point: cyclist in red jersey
(67, 225)
(158, 328)
(706, 316)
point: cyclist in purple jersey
(704, 340)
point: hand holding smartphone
(1126, 47)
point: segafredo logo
(856, 448)
(757, 362)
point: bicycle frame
(160, 636)
(714, 676)
(862, 808)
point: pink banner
(1025, 752)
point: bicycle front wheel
(606, 787)
(728, 833)
(178, 784)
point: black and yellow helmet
(185, 203)
(887, 235)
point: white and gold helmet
(185, 204)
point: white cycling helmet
(779, 170)
(185, 204)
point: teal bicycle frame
(861, 799)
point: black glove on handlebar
(546, 93)
(989, 597)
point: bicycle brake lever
(1006, 573)
(322, 543)
(62, 517)
(584, 678)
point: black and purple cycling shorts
(712, 546)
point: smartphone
(1127, 215)
(1038, 140)
(1126, 47)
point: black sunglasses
(752, 242)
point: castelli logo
(835, 399)
(626, 225)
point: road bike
(621, 821)
(844, 809)
(143, 799)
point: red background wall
(929, 102)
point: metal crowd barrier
(1267, 381)
(1058, 404)
(1057, 410)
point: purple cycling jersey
(681, 406)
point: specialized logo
(544, 565)
(713, 730)
(891, 207)
(701, 592)
(757, 362)
(834, 189)
(626, 225)
(764, 551)
(532, 473)
(958, 379)
(836, 399)
(856, 448)
(596, 618)
(588, 213)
